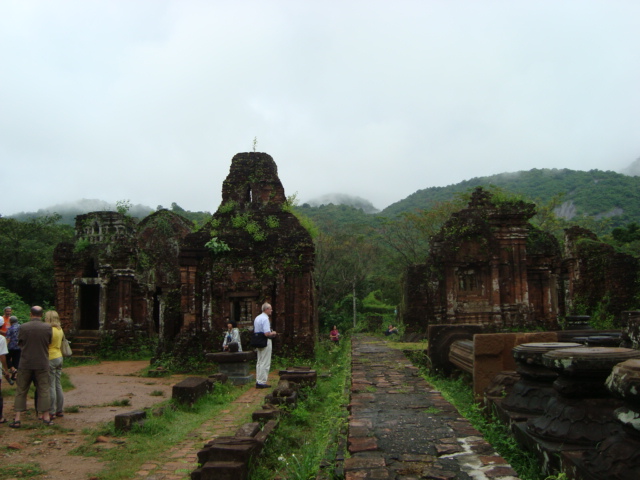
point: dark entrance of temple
(89, 307)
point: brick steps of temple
(84, 344)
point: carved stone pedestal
(236, 366)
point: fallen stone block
(190, 389)
(125, 421)
(223, 471)
(248, 430)
(300, 376)
(229, 449)
(269, 427)
(265, 414)
(275, 400)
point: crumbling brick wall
(598, 277)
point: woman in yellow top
(55, 364)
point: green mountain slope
(594, 193)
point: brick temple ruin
(489, 266)
(159, 277)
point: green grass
(157, 393)
(21, 470)
(149, 441)
(77, 362)
(65, 382)
(310, 432)
(419, 346)
(124, 402)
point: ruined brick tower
(254, 250)
(487, 266)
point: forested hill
(594, 193)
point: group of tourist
(31, 353)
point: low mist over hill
(343, 199)
(596, 194)
(633, 169)
(69, 210)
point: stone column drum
(532, 392)
(618, 457)
(581, 413)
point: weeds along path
(98, 389)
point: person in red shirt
(334, 335)
(4, 321)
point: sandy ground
(96, 386)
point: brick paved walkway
(182, 458)
(400, 428)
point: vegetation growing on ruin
(217, 246)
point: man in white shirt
(262, 325)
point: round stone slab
(531, 353)
(624, 380)
(587, 361)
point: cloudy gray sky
(148, 100)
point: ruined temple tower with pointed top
(254, 250)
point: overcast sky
(149, 100)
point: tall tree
(26, 255)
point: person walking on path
(34, 339)
(261, 324)
(56, 397)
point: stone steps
(85, 343)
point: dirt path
(96, 387)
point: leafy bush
(217, 246)
(373, 303)
(18, 307)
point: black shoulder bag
(258, 340)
